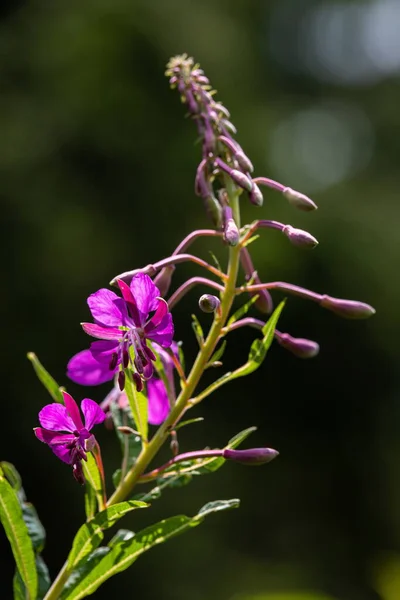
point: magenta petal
(56, 418)
(164, 333)
(131, 302)
(52, 437)
(73, 410)
(103, 333)
(158, 401)
(62, 452)
(107, 308)
(103, 351)
(92, 412)
(156, 319)
(145, 293)
(84, 369)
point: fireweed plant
(133, 350)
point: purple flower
(121, 324)
(160, 396)
(64, 432)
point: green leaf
(47, 380)
(138, 403)
(122, 535)
(188, 422)
(44, 581)
(244, 309)
(130, 444)
(94, 480)
(217, 354)
(18, 536)
(82, 571)
(35, 528)
(181, 356)
(125, 553)
(198, 331)
(91, 534)
(12, 475)
(258, 351)
(90, 501)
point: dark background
(96, 176)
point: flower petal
(130, 301)
(92, 412)
(56, 418)
(62, 452)
(163, 333)
(103, 333)
(73, 410)
(84, 369)
(52, 437)
(158, 401)
(162, 310)
(103, 351)
(107, 308)
(145, 294)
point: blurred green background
(97, 166)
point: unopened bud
(300, 347)
(163, 280)
(299, 237)
(127, 430)
(244, 161)
(209, 303)
(298, 200)
(231, 231)
(256, 196)
(251, 457)
(349, 309)
(241, 180)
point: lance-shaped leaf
(244, 309)
(95, 481)
(91, 534)
(46, 379)
(258, 351)
(198, 331)
(44, 581)
(18, 536)
(125, 553)
(138, 404)
(218, 354)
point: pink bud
(299, 200)
(300, 238)
(251, 457)
(300, 347)
(349, 309)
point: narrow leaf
(198, 331)
(244, 309)
(125, 553)
(217, 354)
(47, 380)
(18, 536)
(138, 403)
(80, 572)
(90, 534)
(94, 480)
(188, 422)
(44, 581)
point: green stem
(150, 450)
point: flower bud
(256, 196)
(349, 309)
(252, 457)
(299, 200)
(163, 280)
(244, 161)
(241, 180)
(300, 347)
(209, 303)
(300, 238)
(231, 231)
